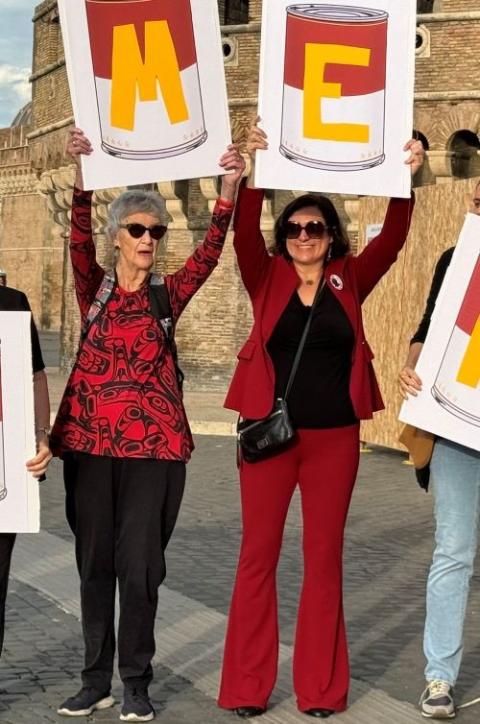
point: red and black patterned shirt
(122, 398)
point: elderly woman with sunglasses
(333, 389)
(122, 429)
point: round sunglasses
(136, 231)
(313, 229)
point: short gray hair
(134, 202)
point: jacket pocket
(247, 350)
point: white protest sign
(19, 495)
(336, 95)
(148, 88)
(449, 365)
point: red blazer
(270, 282)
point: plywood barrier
(394, 309)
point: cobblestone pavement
(388, 545)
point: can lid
(336, 13)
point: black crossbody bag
(259, 439)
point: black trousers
(122, 512)
(7, 541)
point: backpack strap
(161, 309)
(102, 296)
(160, 304)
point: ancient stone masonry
(36, 179)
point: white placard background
(20, 509)
(101, 170)
(424, 411)
(392, 177)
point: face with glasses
(137, 240)
(307, 236)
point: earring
(329, 252)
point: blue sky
(16, 39)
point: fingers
(38, 465)
(417, 154)
(78, 143)
(256, 139)
(232, 160)
(409, 383)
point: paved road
(388, 545)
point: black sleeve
(437, 281)
(37, 359)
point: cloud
(15, 91)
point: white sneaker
(436, 701)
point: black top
(320, 396)
(437, 281)
(11, 300)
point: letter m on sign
(130, 72)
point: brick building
(36, 179)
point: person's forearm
(41, 404)
(413, 354)
(79, 178)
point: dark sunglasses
(313, 229)
(136, 231)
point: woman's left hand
(417, 155)
(231, 161)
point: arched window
(233, 12)
(465, 146)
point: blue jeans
(456, 485)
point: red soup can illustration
(457, 386)
(333, 114)
(146, 77)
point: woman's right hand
(77, 145)
(409, 383)
(256, 141)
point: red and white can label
(334, 86)
(457, 386)
(146, 77)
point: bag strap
(303, 339)
(102, 296)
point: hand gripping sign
(336, 95)
(153, 72)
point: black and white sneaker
(437, 702)
(136, 705)
(85, 702)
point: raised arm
(248, 241)
(378, 256)
(87, 272)
(186, 281)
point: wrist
(42, 432)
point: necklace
(309, 282)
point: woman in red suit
(334, 388)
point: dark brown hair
(340, 240)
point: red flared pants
(324, 463)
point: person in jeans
(122, 430)
(12, 300)
(455, 476)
